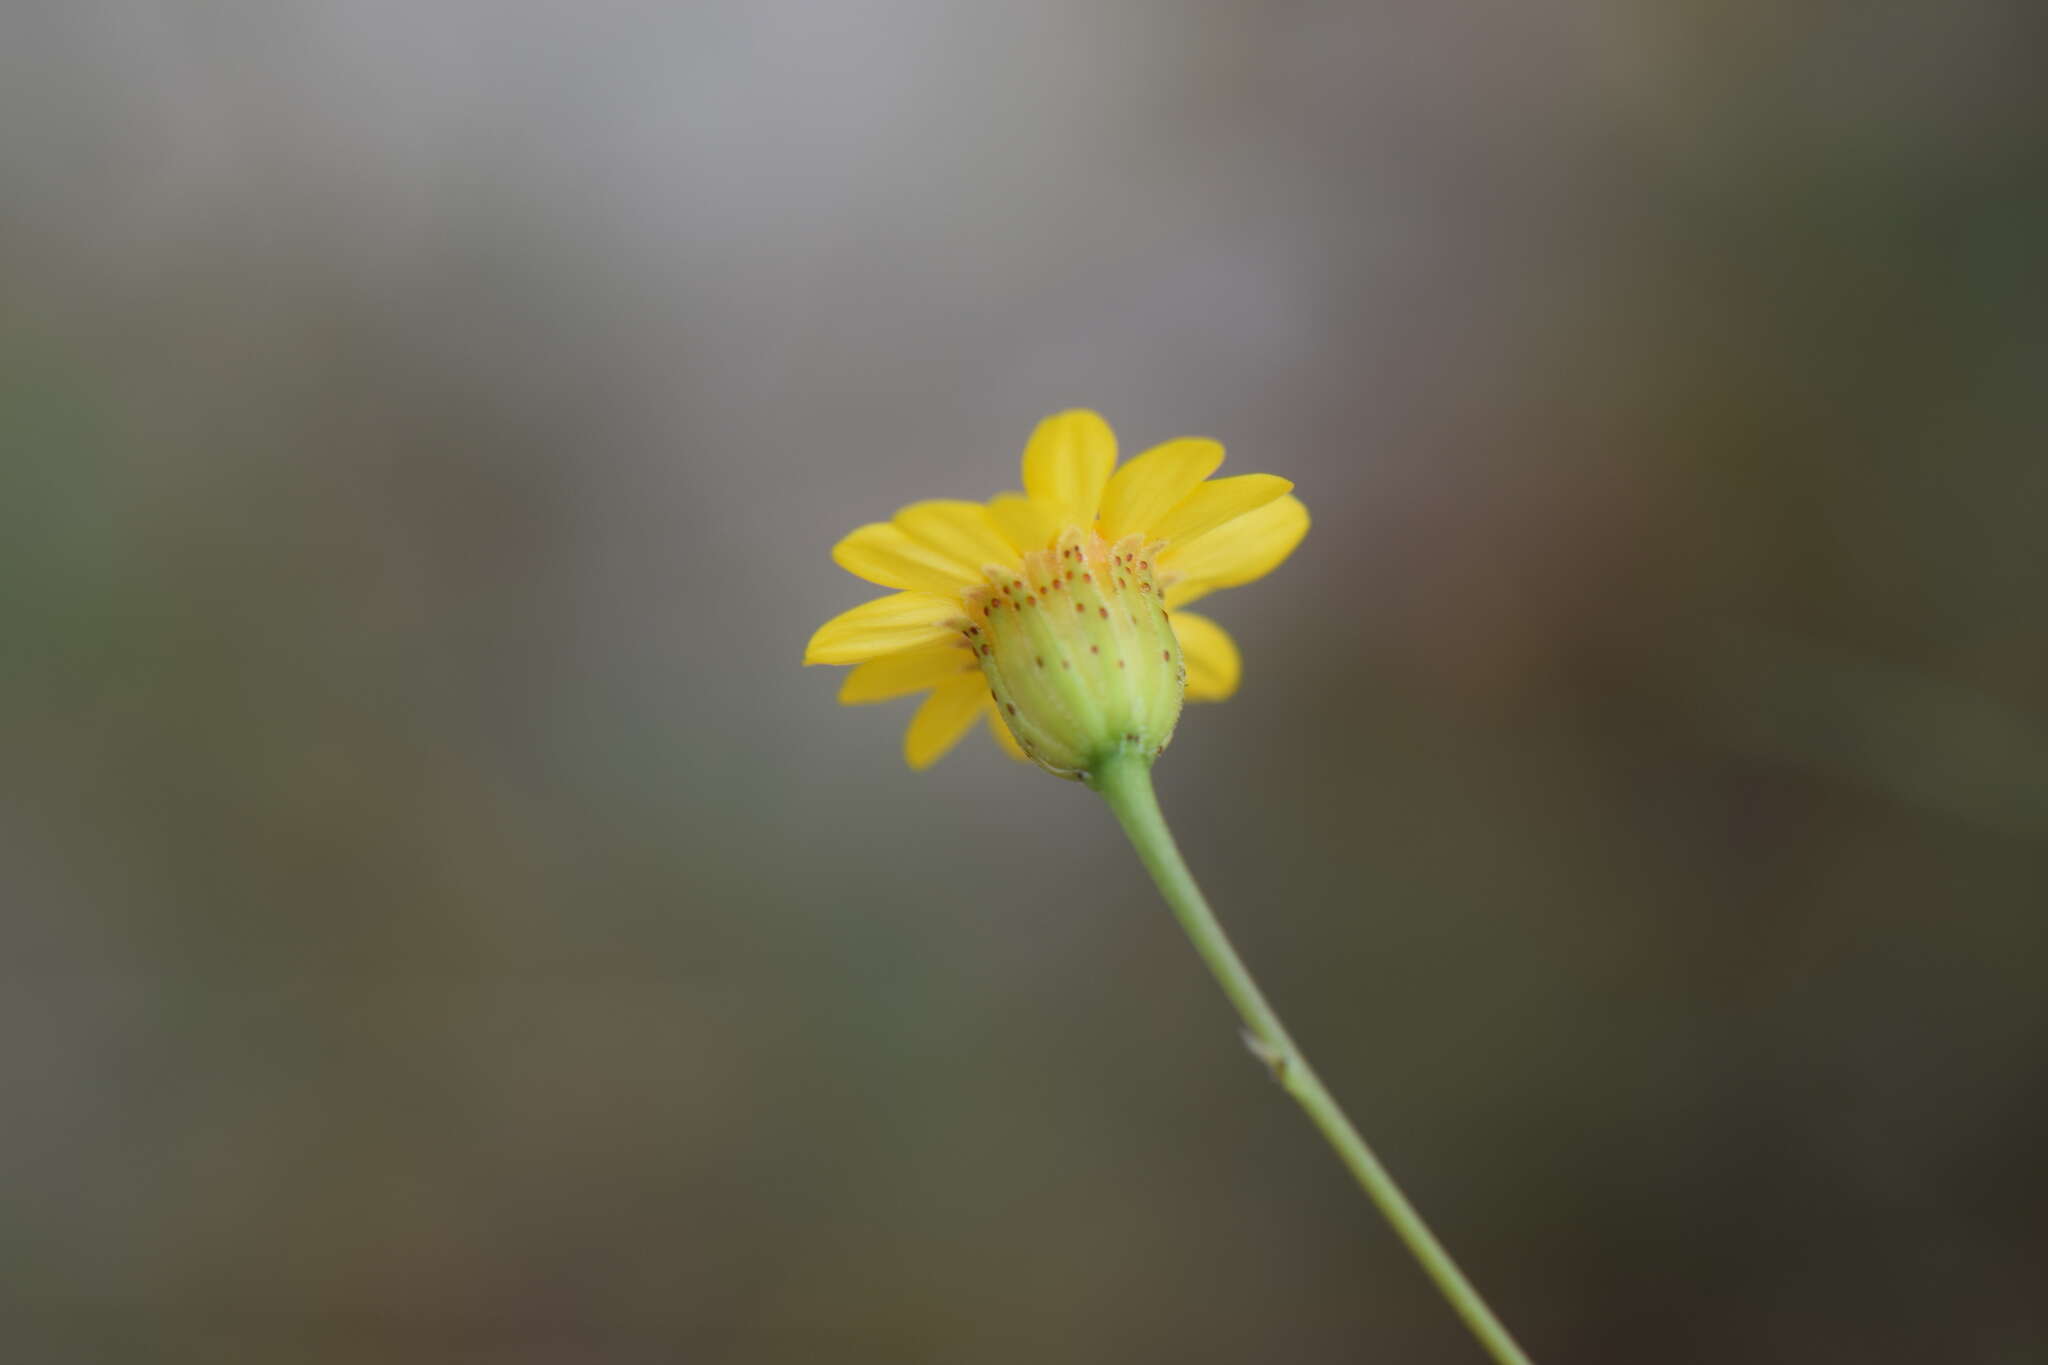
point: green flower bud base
(1079, 653)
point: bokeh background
(440, 921)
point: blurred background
(440, 920)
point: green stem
(1125, 781)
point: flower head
(1056, 613)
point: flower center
(1079, 653)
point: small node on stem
(1274, 1058)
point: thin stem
(1125, 781)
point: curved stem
(1125, 781)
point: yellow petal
(1216, 502)
(1211, 655)
(1000, 728)
(1146, 489)
(1067, 461)
(1029, 523)
(1236, 552)
(883, 626)
(963, 532)
(904, 672)
(944, 717)
(884, 554)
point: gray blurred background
(440, 920)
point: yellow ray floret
(1089, 564)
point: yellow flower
(1056, 613)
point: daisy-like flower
(1057, 613)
